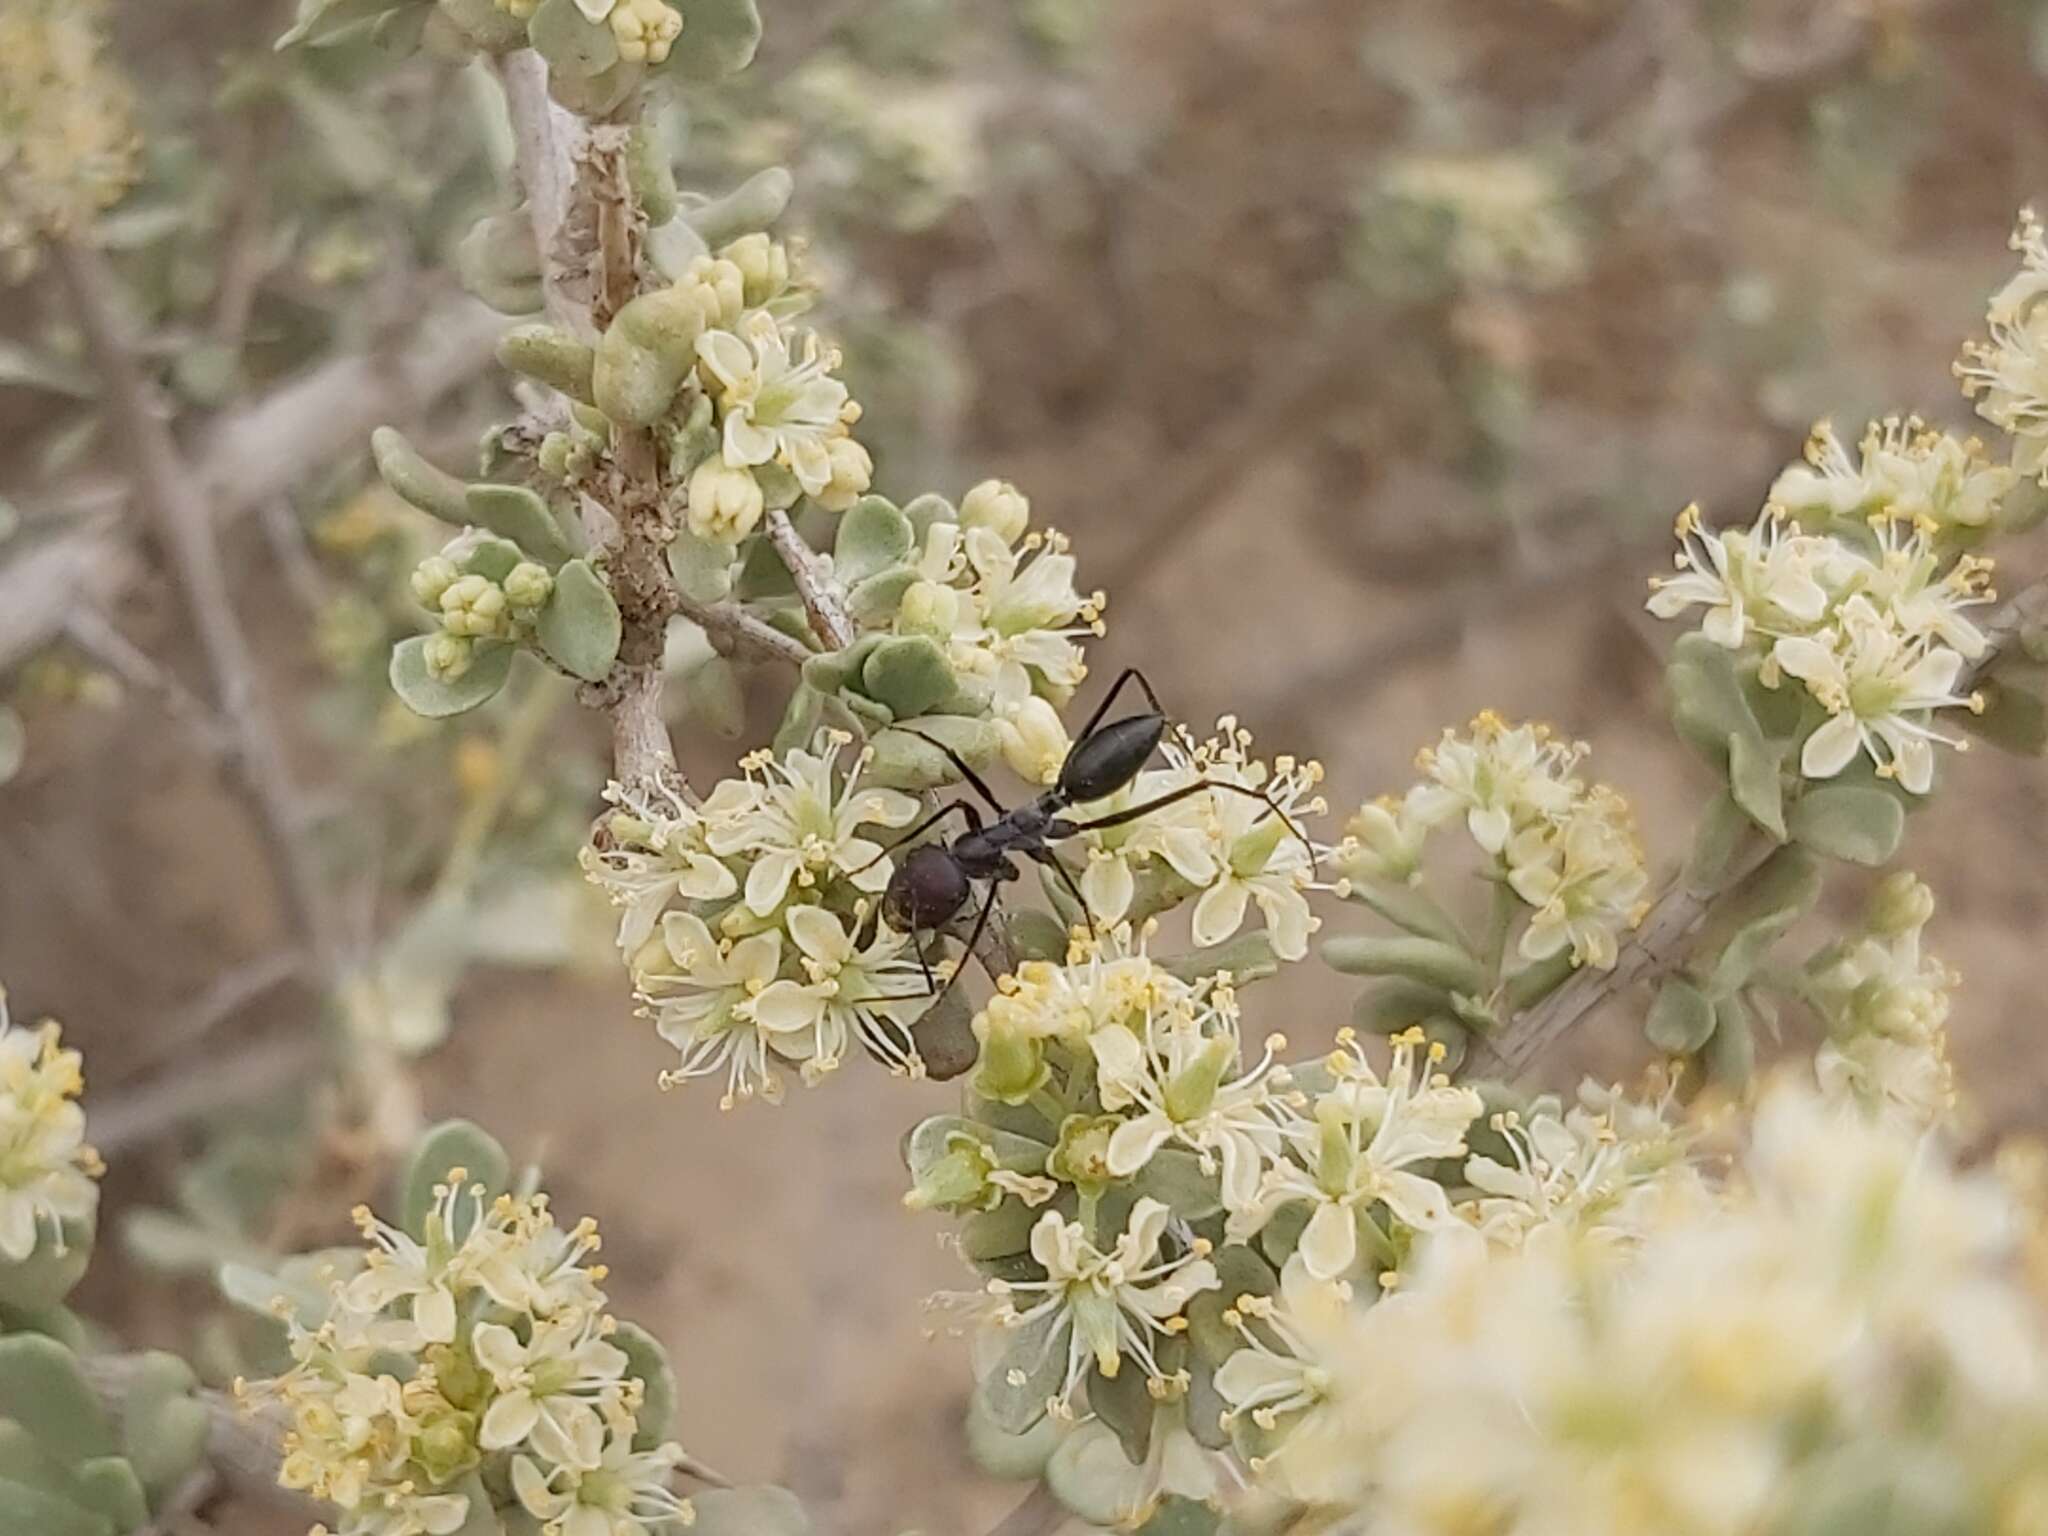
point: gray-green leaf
(424, 694)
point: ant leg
(974, 937)
(1052, 862)
(964, 807)
(1129, 674)
(966, 772)
(1129, 814)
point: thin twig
(93, 634)
(287, 541)
(172, 496)
(733, 630)
(1661, 941)
(229, 994)
(145, 1113)
(545, 142)
(822, 599)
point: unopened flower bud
(852, 472)
(718, 288)
(528, 586)
(646, 29)
(447, 656)
(763, 263)
(1034, 741)
(1012, 1065)
(1382, 842)
(554, 455)
(432, 577)
(958, 1181)
(473, 605)
(997, 506)
(1900, 904)
(725, 502)
(928, 609)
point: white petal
(1220, 912)
(768, 881)
(1829, 749)
(1329, 1243)
(509, 1420)
(1132, 1144)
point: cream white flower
(1588, 1168)
(1903, 470)
(775, 406)
(653, 853)
(1096, 1307)
(1878, 687)
(869, 994)
(625, 1494)
(1027, 616)
(46, 1170)
(706, 1006)
(796, 826)
(1281, 1371)
(1923, 593)
(1034, 741)
(1181, 1075)
(1585, 876)
(1384, 840)
(1356, 1151)
(1501, 779)
(725, 502)
(2008, 376)
(549, 1386)
(1757, 579)
(999, 507)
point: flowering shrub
(1214, 1286)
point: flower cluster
(644, 30)
(1835, 1330)
(471, 1363)
(1492, 220)
(750, 921)
(1872, 624)
(1565, 851)
(1000, 599)
(775, 399)
(1232, 846)
(46, 1169)
(476, 597)
(67, 141)
(1885, 1004)
(2008, 375)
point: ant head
(927, 889)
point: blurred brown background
(1366, 350)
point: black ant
(934, 881)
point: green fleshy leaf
(1036, 935)
(876, 599)
(451, 1144)
(427, 695)
(1124, 1403)
(757, 1510)
(702, 567)
(651, 171)
(1398, 1004)
(490, 557)
(1002, 1233)
(907, 673)
(488, 25)
(1174, 1178)
(944, 1038)
(1012, 1458)
(873, 536)
(1407, 906)
(1730, 1052)
(552, 356)
(800, 719)
(1681, 1018)
(927, 509)
(1708, 701)
(43, 1390)
(645, 355)
(322, 21)
(1448, 966)
(1858, 823)
(1536, 980)
(163, 1427)
(1241, 1272)
(580, 626)
(1756, 784)
(109, 1485)
(32, 1512)
(1179, 1516)
(1027, 1371)
(717, 699)
(2015, 719)
(26, 1460)
(571, 42)
(1724, 830)
(51, 1270)
(836, 671)
(1247, 957)
(648, 1363)
(1759, 913)
(1092, 1477)
(907, 762)
(718, 39)
(434, 491)
(517, 513)
(754, 204)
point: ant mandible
(935, 880)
